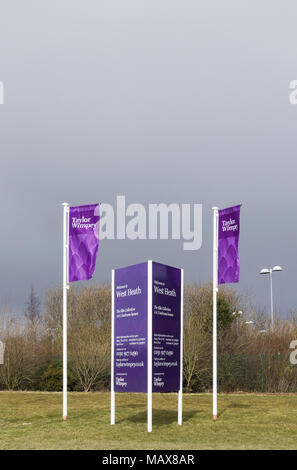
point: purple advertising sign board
(130, 328)
(166, 328)
(134, 290)
(83, 241)
(228, 238)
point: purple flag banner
(83, 241)
(228, 238)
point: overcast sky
(158, 100)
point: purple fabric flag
(228, 256)
(83, 241)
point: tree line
(251, 357)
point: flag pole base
(64, 418)
(215, 417)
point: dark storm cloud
(165, 101)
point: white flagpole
(149, 348)
(65, 288)
(180, 393)
(112, 394)
(215, 290)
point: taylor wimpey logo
(229, 225)
(293, 94)
(1, 93)
(82, 223)
(156, 221)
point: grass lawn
(32, 420)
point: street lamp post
(270, 271)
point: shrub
(52, 379)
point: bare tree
(15, 373)
(33, 317)
(89, 335)
(32, 309)
(88, 331)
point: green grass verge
(32, 420)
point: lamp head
(264, 271)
